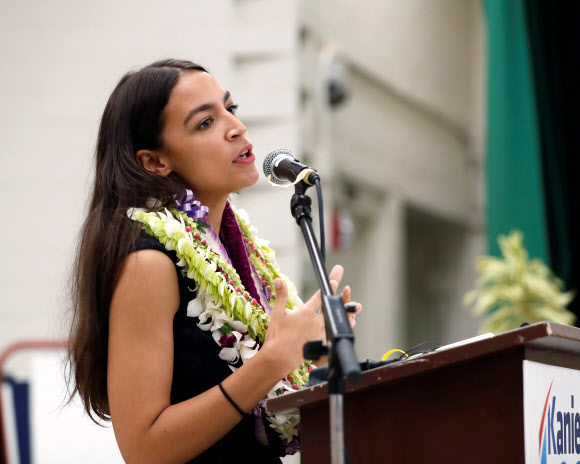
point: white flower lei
(222, 304)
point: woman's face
(204, 142)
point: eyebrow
(204, 107)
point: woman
(169, 334)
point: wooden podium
(459, 405)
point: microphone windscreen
(270, 163)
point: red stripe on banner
(544, 415)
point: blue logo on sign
(559, 428)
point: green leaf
(202, 225)
(514, 289)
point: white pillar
(380, 327)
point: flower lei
(238, 322)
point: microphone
(281, 168)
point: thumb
(279, 309)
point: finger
(279, 309)
(314, 302)
(351, 316)
(336, 273)
(358, 307)
(334, 285)
(346, 293)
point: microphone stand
(339, 346)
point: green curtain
(554, 38)
(514, 170)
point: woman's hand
(335, 277)
(289, 331)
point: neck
(216, 211)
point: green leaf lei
(214, 275)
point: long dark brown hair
(133, 120)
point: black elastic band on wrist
(242, 413)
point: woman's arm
(140, 366)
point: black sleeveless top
(197, 368)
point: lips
(245, 156)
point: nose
(235, 129)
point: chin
(247, 182)
(253, 178)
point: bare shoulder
(147, 280)
(148, 262)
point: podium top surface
(543, 336)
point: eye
(205, 124)
(233, 108)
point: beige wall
(422, 49)
(410, 134)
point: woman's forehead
(196, 88)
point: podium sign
(551, 414)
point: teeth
(243, 155)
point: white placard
(551, 414)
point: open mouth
(244, 155)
